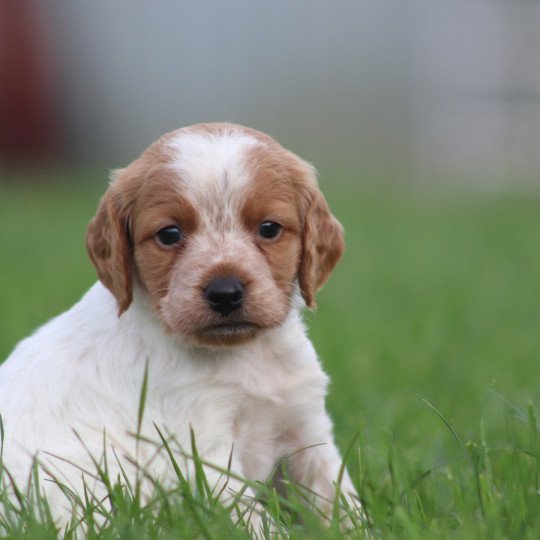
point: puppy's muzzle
(225, 295)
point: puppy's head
(218, 224)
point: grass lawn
(429, 328)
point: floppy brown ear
(322, 243)
(108, 245)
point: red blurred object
(28, 131)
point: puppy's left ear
(109, 248)
(322, 243)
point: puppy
(207, 247)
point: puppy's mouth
(227, 333)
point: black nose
(224, 295)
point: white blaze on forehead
(212, 165)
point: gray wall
(423, 88)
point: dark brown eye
(269, 229)
(169, 236)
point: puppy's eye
(169, 236)
(269, 229)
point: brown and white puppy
(207, 247)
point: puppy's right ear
(109, 247)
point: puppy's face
(220, 226)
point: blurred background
(433, 91)
(423, 118)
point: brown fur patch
(281, 177)
(109, 249)
(160, 204)
(110, 233)
(323, 246)
(272, 196)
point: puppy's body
(176, 230)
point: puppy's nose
(224, 295)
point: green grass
(429, 328)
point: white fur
(212, 165)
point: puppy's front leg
(315, 464)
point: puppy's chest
(236, 401)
